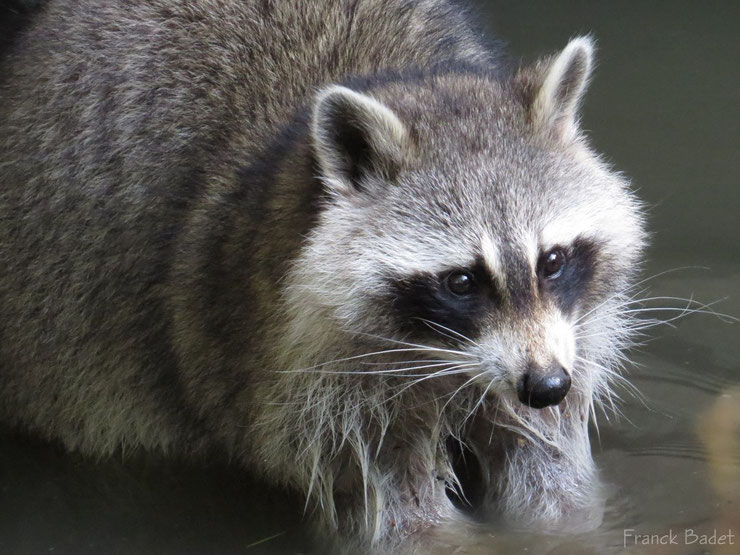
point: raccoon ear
(355, 136)
(562, 83)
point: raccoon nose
(540, 389)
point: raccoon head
(466, 215)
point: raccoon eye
(552, 263)
(460, 283)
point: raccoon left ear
(561, 83)
(355, 137)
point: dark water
(664, 106)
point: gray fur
(193, 262)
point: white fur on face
(508, 351)
(560, 340)
(493, 260)
(612, 223)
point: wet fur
(187, 266)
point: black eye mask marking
(462, 305)
(431, 297)
(571, 281)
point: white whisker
(454, 370)
(418, 346)
(454, 333)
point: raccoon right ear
(355, 137)
(557, 85)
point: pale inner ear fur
(564, 81)
(355, 136)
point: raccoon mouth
(468, 493)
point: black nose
(543, 388)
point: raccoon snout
(542, 388)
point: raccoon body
(323, 240)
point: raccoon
(330, 241)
